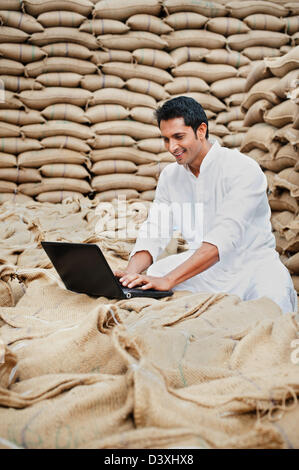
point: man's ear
(201, 131)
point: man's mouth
(179, 154)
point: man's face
(181, 141)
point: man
(231, 244)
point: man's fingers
(136, 282)
(148, 285)
(118, 273)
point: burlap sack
(131, 41)
(23, 21)
(64, 34)
(11, 101)
(288, 179)
(60, 64)
(282, 65)
(143, 114)
(153, 57)
(211, 9)
(115, 193)
(94, 82)
(293, 264)
(127, 71)
(114, 10)
(17, 83)
(261, 136)
(14, 198)
(55, 184)
(11, 67)
(258, 72)
(54, 127)
(263, 22)
(101, 57)
(242, 9)
(285, 157)
(51, 95)
(36, 7)
(185, 20)
(23, 53)
(256, 112)
(125, 98)
(57, 197)
(186, 84)
(184, 54)
(123, 153)
(144, 22)
(148, 87)
(8, 34)
(165, 157)
(106, 112)
(16, 145)
(151, 169)
(151, 145)
(227, 26)
(67, 142)
(57, 79)
(272, 39)
(283, 201)
(194, 38)
(13, 5)
(220, 56)
(9, 130)
(105, 141)
(137, 130)
(64, 170)
(103, 26)
(260, 52)
(281, 114)
(19, 117)
(261, 90)
(148, 195)
(122, 181)
(65, 112)
(235, 113)
(67, 49)
(209, 102)
(20, 175)
(287, 134)
(208, 72)
(61, 18)
(7, 160)
(7, 187)
(219, 130)
(286, 84)
(37, 158)
(228, 86)
(106, 167)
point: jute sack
(281, 114)
(187, 54)
(106, 167)
(209, 102)
(195, 38)
(186, 84)
(261, 90)
(259, 135)
(123, 181)
(11, 5)
(293, 8)
(36, 7)
(14, 198)
(131, 41)
(296, 118)
(219, 130)
(256, 112)
(23, 53)
(260, 52)
(287, 134)
(235, 113)
(60, 64)
(130, 154)
(288, 179)
(94, 82)
(101, 57)
(258, 72)
(65, 112)
(11, 67)
(150, 23)
(228, 86)
(227, 26)
(7, 160)
(293, 264)
(276, 163)
(106, 112)
(60, 18)
(9, 130)
(241, 9)
(148, 195)
(108, 140)
(125, 98)
(18, 84)
(114, 10)
(103, 26)
(287, 83)
(151, 145)
(165, 157)
(17, 145)
(57, 196)
(220, 56)
(67, 142)
(282, 65)
(295, 39)
(210, 9)
(143, 114)
(265, 22)
(147, 87)
(184, 20)
(208, 72)
(7, 187)
(151, 169)
(282, 202)
(153, 57)
(52, 95)
(281, 221)
(127, 71)
(37, 158)
(239, 42)
(55, 184)
(295, 280)
(64, 79)
(62, 170)
(67, 49)
(115, 193)
(16, 19)
(55, 127)
(8, 34)
(20, 175)
(64, 34)
(137, 130)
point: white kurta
(226, 205)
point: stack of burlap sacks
(83, 78)
(272, 114)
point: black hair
(190, 110)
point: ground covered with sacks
(193, 370)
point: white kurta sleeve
(156, 232)
(244, 203)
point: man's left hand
(146, 282)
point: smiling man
(216, 197)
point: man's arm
(139, 262)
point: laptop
(83, 268)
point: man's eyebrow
(173, 135)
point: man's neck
(195, 167)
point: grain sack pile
(272, 111)
(80, 372)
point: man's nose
(172, 145)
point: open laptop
(84, 269)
